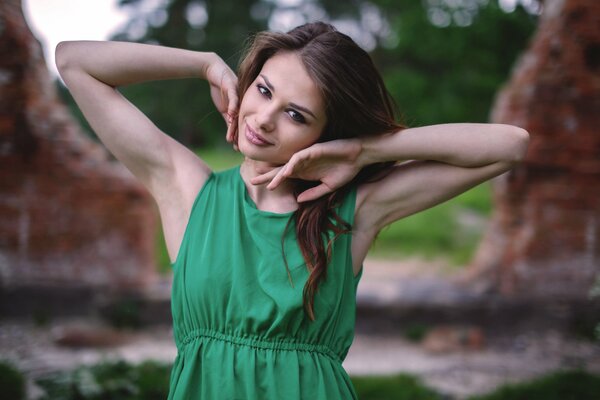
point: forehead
(286, 72)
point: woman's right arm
(93, 70)
(172, 173)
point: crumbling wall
(544, 237)
(69, 216)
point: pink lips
(255, 138)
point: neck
(279, 200)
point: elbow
(517, 144)
(522, 144)
(63, 56)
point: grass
(562, 385)
(12, 381)
(437, 232)
(150, 380)
(220, 159)
(430, 234)
(109, 380)
(396, 387)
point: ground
(456, 372)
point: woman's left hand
(332, 163)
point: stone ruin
(543, 240)
(70, 217)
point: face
(281, 113)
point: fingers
(230, 127)
(313, 193)
(283, 173)
(235, 138)
(231, 117)
(264, 178)
(231, 135)
(232, 106)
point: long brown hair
(357, 105)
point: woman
(267, 255)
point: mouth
(255, 138)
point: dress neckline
(250, 203)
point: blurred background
(497, 286)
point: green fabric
(239, 325)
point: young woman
(267, 255)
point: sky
(53, 21)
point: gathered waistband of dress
(285, 345)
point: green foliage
(150, 380)
(584, 327)
(40, 317)
(415, 332)
(594, 293)
(220, 159)
(124, 313)
(397, 387)
(163, 261)
(564, 385)
(450, 74)
(183, 108)
(436, 74)
(12, 382)
(109, 380)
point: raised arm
(172, 173)
(435, 163)
(93, 71)
(444, 161)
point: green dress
(239, 325)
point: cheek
(303, 139)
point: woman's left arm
(447, 160)
(442, 162)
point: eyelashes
(264, 91)
(294, 115)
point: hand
(223, 91)
(332, 163)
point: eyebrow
(299, 107)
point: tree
(183, 109)
(438, 73)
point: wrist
(362, 157)
(207, 60)
(210, 60)
(369, 153)
(380, 148)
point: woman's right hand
(223, 91)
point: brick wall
(544, 237)
(69, 216)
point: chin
(257, 155)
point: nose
(265, 118)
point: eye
(264, 91)
(296, 116)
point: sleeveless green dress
(239, 325)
